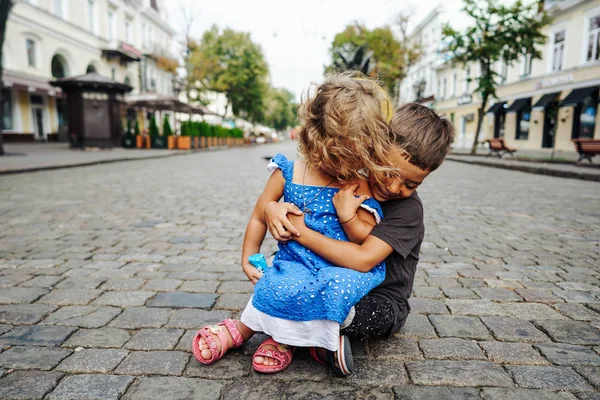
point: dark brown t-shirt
(402, 228)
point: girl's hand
(299, 223)
(278, 223)
(346, 203)
(251, 272)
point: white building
(126, 40)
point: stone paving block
(572, 332)
(578, 312)
(63, 297)
(579, 286)
(588, 396)
(154, 363)
(13, 280)
(501, 284)
(371, 373)
(427, 292)
(304, 369)
(592, 374)
(476, 307)
(459, 293)
(459, 326)
(539, 296)
(497, 294)
(539, 285)
(174, 388)
(546, 377)
(236, 287)
(396, 349)
(81, 283)
(416, 327)
(89, 361)
(41, 281)
(199, 286)
(155, 339)
(568, 354)
(196, 319)
(16, 295)
(233, 366)
(320, 390)
(514, 330)
(434, 393)
(185, 343)
(195, 275)
(109, 274)
(83, 316)
(24, 314)
(32, 357)
(532, 311)
(443, 282)
(458, 373)
(181, 300)
(151, 275)
(524, 394)
(575, 296)
(136, 318)
(512, 353)
(44, 263)
(232, 301)
(255, 389)
(28, 385)
(123, 284)
(162, 285)
(427, 306)
(5, 328)
(98, 387)
(37, 335)
(124, 299)
(451, 349)
(139, 257)
(100, 338)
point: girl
(303, 299)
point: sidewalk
(590, 172)
(27, 157)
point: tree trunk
(480, 115)
(5, 6)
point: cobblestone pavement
(107, 271)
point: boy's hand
(251, 272)
(345, 202)
(278, 223)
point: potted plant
(184, 140)
(156, 141)
(128, 139)
(168, 133)
(139, 139)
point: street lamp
(419, 88)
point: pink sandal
(284, 354)
(218, 330)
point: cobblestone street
(107, 271)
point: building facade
(126, 40)
(542, 104)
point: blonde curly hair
(344, 127)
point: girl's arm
(356, 221)
(257, 227)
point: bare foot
(205, 351)
(268, 361)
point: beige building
(126, 40)
(541, 103)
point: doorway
(37, 117)
(550, 119)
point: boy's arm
(257, 227)
(362, 258)
(356, 221)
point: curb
(530, 169)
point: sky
(295, 35)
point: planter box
(196, 142)
(171, 142)
(139, 141)
(184, 142)
(128, 141)
(158, 142)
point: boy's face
(399, 188)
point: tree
(229, 62)
(500, 33)
(386, 52)
(5, 7)
(281, 109)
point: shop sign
(555, 81)
(466, 99)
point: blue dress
(302, 286)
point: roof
(93, 80)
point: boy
(421, 140)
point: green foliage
(129, 127)
(153, 127)
(230, 62)
(280, 109)
(167, 127)
(237, 133)
(136, 128)
(499, 33)
(375, 52)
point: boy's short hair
(424, 135)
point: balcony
(163, 58)
(122, 51)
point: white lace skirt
(319, 333)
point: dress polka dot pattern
(302, 286)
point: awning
(497, 108)
(165, 103)
(519, 104)
(577, 96)
(546, 99)
(32, 83)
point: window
(523, 123)
(111, 26)
(587, 117)
(150, 37)
(144, 40)
(127, 30)
(593, 52)
(58, 8)
(91, 16)
(454, 85)
(30, 45)
(467, 81)
(439, 88)
(113, 74)
(526, 65)
(502, 70)
(558, 51)
(7, 117)
(444, 90)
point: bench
(498, 147)
(587, 148)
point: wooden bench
(498, 147)
(587, 148)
